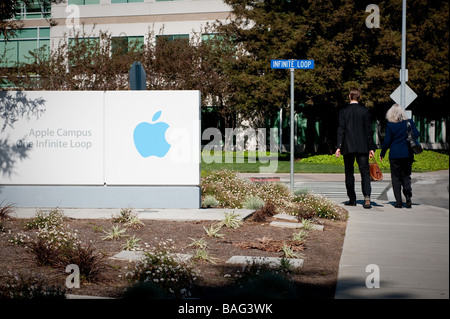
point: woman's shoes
(367, 204)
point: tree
(10, 23)
(346, 53)
(98, 61)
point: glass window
(25, 46)
(17, 50)
(172, 37)
(122, 45)
(44, 32)
(27, 33)
(8, 53)
(126, 1)
(84, 2)
(33, 9)
(82, 49)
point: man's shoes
(398, 205)
(408, 202)
(367, 204)
(350, 203)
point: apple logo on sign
(150, 139)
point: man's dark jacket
(355, 133)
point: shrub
(91, 265)
(28, 286)
(213, 230)
(6, 210)
(19, 239)
(232, 191)
(300, 236)
(253, 202)
(320, 206)
(235, 192)
(160, 268)
(144, 290)
(261, 214)
(41, 220)
(115, 233)
(231, 220)
(262, 282)
(268, 285)
(128, 217)
(303, 211)
(226, 187)
(198, 243)
(50, 241)
(57, 245)
(210, 202)
(277, 193)
(203, 254)
(288, 252)
(123, 216)
(132, 243)
(44, 254)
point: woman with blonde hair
(401, 156)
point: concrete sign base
(101, 196)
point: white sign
(410, 95)
(62, 146)
(104, 138)
(153, 138)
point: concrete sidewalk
(407, 248)
(212, 214)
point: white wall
(134, 19)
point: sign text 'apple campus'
(57, 138)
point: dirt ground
(316, 280)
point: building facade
(46, 24)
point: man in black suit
(355, 142)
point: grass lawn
(282, 167)
(252, 162)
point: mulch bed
(317, 279)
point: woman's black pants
(401, 177)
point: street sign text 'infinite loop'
(292, 64)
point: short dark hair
(355, 94)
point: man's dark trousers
(363, 163)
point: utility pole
(403, 71)
(292, 130)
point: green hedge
(425, 162)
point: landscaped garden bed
(35, 253)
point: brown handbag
(375, 171)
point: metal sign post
(137, 77)
(292, 148)
(403, 62)
(404, 95)
(292, 65)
